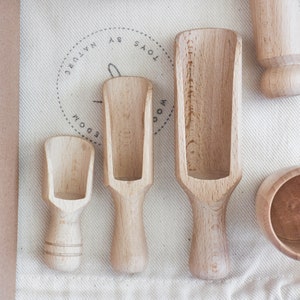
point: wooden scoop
(128, 165)
(278, 210)
(208, 92)
(67, 189)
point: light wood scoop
(128, 165)
(278, 210)
(69, 164)
(208, 94)
(276, 26)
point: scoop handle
(63, 243)
(209, 258)
(129, 246)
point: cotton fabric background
(53, 33)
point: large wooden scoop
(69, 164)
(208, 92)
(128, 165)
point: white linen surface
(68, 48)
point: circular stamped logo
(107, 53)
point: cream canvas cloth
(68, 48)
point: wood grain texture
(278, 210)
(67, 189)
(208, 167)
(276, 27)
(9, 139)
(128, 166)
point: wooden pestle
(67, 189)
(207, 105)
(276, 27)
(128, 165)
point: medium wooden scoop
(208, 93)
(69, 164)
(128, 165)
(278, 210)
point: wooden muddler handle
(129, 247)
(276, 27)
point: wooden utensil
(278, 210)
(9, 144)
(276, 26)
(128, 165)
(67, 189)
(208, 93)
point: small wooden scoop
(278, 210)
(67, 189)
(208, 92)
(128, 165)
